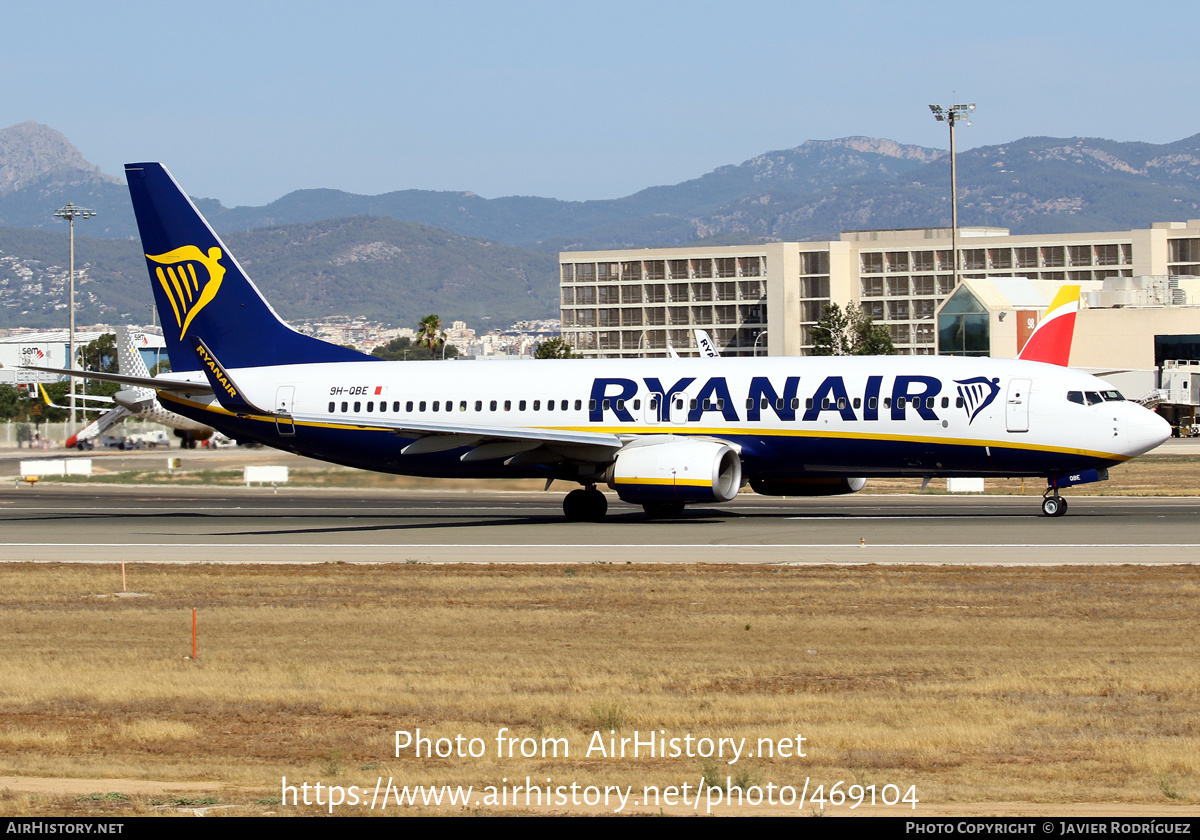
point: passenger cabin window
(357, 407)
(332, 406)
(408, 406)
(492, 405)
(579, 404)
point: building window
(814, 262)
(1053, 257)
(924, 284)
(872, 287)
(1080, 254)
(814, 287)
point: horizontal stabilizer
(156, 383)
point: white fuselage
(863, 416)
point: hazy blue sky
(247, 101)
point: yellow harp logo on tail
(187, 291)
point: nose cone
(1144, 431)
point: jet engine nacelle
(681, 470)
(832, 486)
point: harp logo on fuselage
(190, 279)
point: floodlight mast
(71, 213)
(951, 115)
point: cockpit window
(1075, 397)
(1112, 396)
(1093, 397)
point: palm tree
(429, 332)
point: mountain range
(355, 254)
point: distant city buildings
(518, 341)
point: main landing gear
(585, 505)
(1053, 505)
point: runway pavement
(229, 525)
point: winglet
(1051, 341)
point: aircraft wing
(157, 383)
(486, 442)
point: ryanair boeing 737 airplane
(661, 433)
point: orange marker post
(193, 633)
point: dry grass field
(982, 687)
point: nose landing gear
(1053, 505)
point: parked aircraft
(137, 401)
(661, 433)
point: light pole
(756, 338)
(951, 115)
(71, 213)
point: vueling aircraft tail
(1051, 340)
(202, 292)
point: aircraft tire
(663, 510)
(1054, 506)
(588, 505)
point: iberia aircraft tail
(202, 292)
(1051, 341)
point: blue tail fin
(202, 292)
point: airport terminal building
(765, 299)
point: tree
(429, 333)
(554, 348)
(404, 349)
(869, 338)
(851, 332)
(830, 336)
(100, 355)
